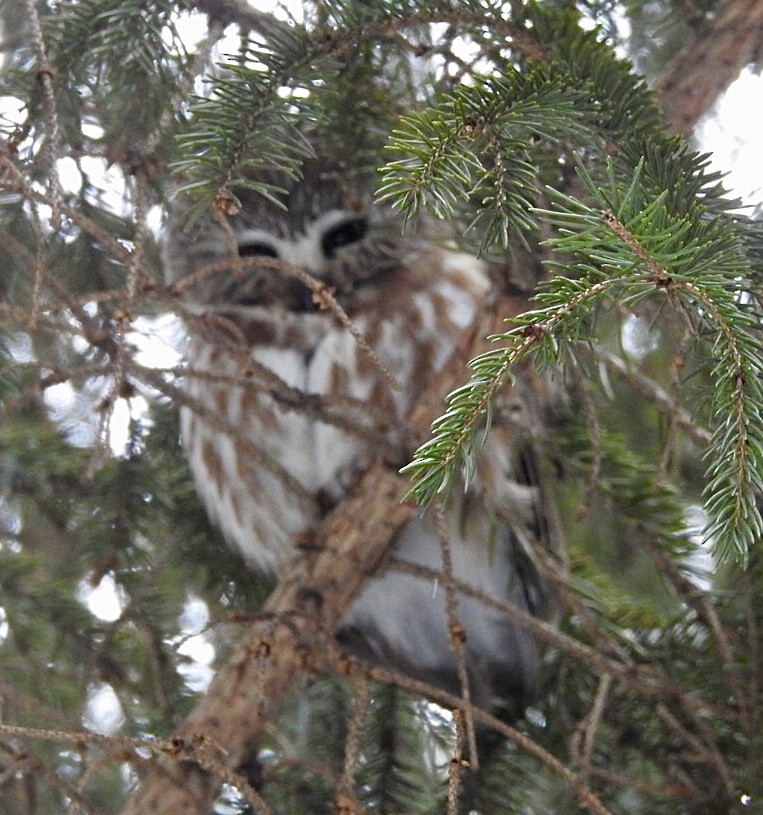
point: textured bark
(710, 62)
(297, 626)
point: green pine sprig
(476, 145)
(628, 245)
(247, 124)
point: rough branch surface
(299, 618)
(710, 62)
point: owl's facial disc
(317, 250)
(312, 249)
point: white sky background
(733, 132)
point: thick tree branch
(710, 62)
(300, 617)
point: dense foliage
(517, 122)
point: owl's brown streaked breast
(266, 498)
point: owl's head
(330, 229)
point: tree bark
(298, 621)
(710, 62)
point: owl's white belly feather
(264, 480)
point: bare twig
(584, 737)
(707, 752)
(657, 395)
(345, 799)
(456, 631)
(457, 764)
(645, 680)
(586, 796)
(697, 600)
(45, 76)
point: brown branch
(675, 790)
(584, 737)
(605, 658)
(457, 633)
(241, 13)
(710, 62)
(123, 748)
(654, 393)
(587, 797)
(344, 800)
(696, 599)
(305, 608)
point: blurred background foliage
(118, 599)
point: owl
(287, 405)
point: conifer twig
(46, 76)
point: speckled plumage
(286, 408)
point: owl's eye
(254, 249)
(344, 234)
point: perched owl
(268, 367)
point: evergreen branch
(246, 125)
(620, 105)
(735, 453)
(587, 798)
(686, 589)
(607, 654)
(475, 145)
(635, 245)
(117, 64)
(435, 461)
(194, 750)
(736, 446)
(221, 152)
(114, 40)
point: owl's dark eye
(254, 249)
(344, 234)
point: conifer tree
(518, 123)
